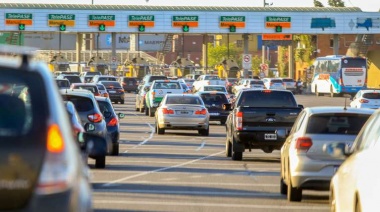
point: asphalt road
(182, 171)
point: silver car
(182, 112)
(304, 163)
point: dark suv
(89, 112)
(214, 103)
(41, 168)
(129, 84)
(115, 91)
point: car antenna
(345, 103)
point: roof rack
(26, 53)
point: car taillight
(167, 111)
(113, 122)
(96, 117)
(201, 112)
(239, 120)
(303, 143)
(363, 101)
(105, 94)
(96, 94)
(56, 175)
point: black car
(214, 103)
(112, 120)
(71, 77)
(89, 113)
(41, 168)
(129, 84)
(115, 91)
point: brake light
(340, 81)
(121, 90)
(96, 94)
(201, 112)
(56, 175)
(267, 91)
(113, 122)
(96, 117)
(167, 111)
(105, 94)
(239, 120)
(55, 142)
(304, 143)
(363, 101)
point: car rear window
(62, 83)
(166, 85)
(266, 98)
(101, 87)
(114, 84)
(257, 83)
(276, 81)
(212, 78)
(93, 73)
(107, 79)
(287, 80)
(129, 80)
(371, 95)
(105, 106)
(209, 99)
(82, 104)
(336, 123)
(214, 88)
(23, 104)
(73, 79)
(192, 100)
(93, 89)
(152, 78)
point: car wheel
(122, 101)
(228, 148)
(236, 155)
(100, 162)
(159, 130)
(293, 194)
(142, 109)
(116, 102)
(151, 112)
(146, 111)
(115, 149)
(204, 132)
(283, 187)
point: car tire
(228, 148)
(100, 162)
(142, 109)
(146, 111)
(116, 102)
(122, 101)
(204, 132)
(293, 194)
(115, 149)
(159, 130)
(151, 112)
(283, 187)
(236, 155)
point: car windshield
(193, 100)
(371, 95)
(276, 81)
(267, 98)
(63, 83)
(214, 88)
(210, 99)
(257, 83)
(336, 123)
(107, 79)
(73, 79)
(82, 104)
(212, 78)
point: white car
(366, 99)
(304, 163)
(356, 184)
(249, 83)
(274, 83)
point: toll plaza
(275, 25)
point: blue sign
(367, 23)
(322, 23)
(109, 40)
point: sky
(365, 5)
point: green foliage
(305, 48)
(283, 61)
(318, 4)
(336, 3)
(217, 53)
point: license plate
(270, 136)
(112, 91)
(183, 112)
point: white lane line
(202, 145)
(204, 183)
(147, 139)
(161, 169)
(210, 204)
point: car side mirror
(107, 114)
(227, 107)
(88, 127)
(337, 150)
(121, 115)
(301, 106)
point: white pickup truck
(207, 80)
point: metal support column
(204, 53)
(291, 61)
(246, 51)
(78, 46)
(336, 44)
(59, 42)
(113, 53)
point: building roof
(175, 8)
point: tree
(217, 53)
(336, 3)
(318, 4)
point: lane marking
(202, 145)
(147, 139)
(210, 204)
(204, 183)
(161, 169)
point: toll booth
(182, 67)
(97, 63)
(59, 63)
(228, 68)
(137, 67)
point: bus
(337, 75)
